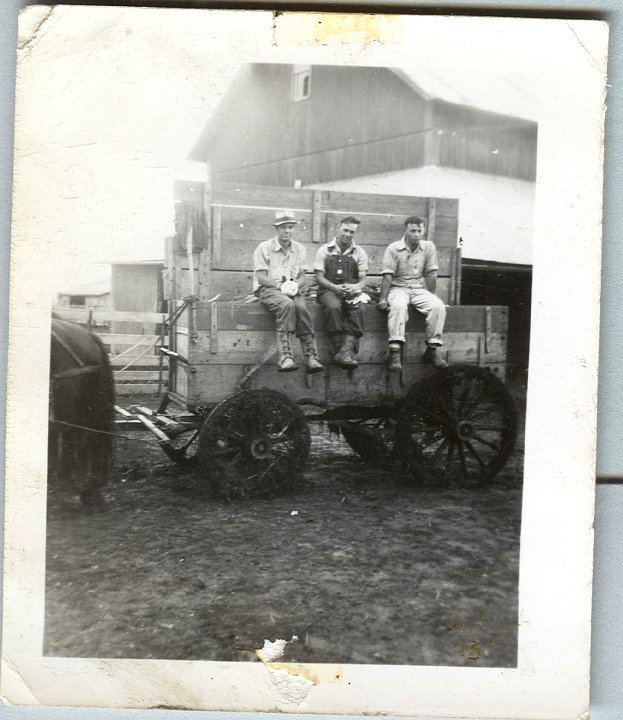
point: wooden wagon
(246, 424)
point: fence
(138, 366)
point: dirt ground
(360, 568)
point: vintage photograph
(290, 285)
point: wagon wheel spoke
(424, 427)
(469, 407)
(484, 441)
(438, 436)
(225, 452)
(444, 443)
(265, 440)
(490, 412)
(473, 452)
(451, 446)
(462, 460)
(475, 430)
(429, 413)
(490, 428)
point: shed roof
(496, 214)
(94, 289)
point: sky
(110, 101)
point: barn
(391, 131)
(95, 294)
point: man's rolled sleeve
(362, 262)
(430, 261)
(260, 259)
(320, 258)
(390, 262)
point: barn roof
(497, 92)
(504, 94)
(496, 214)
(93, 289)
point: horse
(82, 402)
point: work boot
(312, 364)
(345, 357)
(395, 361)
(432, 357)
(286, 361)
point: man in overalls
(410, 278)
(341, 267)
(278, 274)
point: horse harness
(81, 369)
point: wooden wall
(357, 121)
(241, 216)
(262, 136)
(228, 339)
(227, 345)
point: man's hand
(349, 289)
(383, 304)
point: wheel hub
(465, 430)
(260, 448)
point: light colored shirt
(409, 268)
(332, 248)
(270, 256)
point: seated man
(278, 274)
(341, 268)
(410, 278)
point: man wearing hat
(341, 267)
(278, 275)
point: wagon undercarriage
(246, 426)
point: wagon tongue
(170, 426)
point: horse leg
(69, 492)
(96, 469)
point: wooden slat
(213, 337)
(253, 316)
(136, 388)
(169, 273)
(145, 361)
(432, 218)
(204, 276)
(368, 384)
(251, 346)
(250, 226)
(238, 255)
(217, 230)
(231, 284)
(122, 339)
(403, 205)
(375, 230)
(317, 218)
(277, 198)
(136, 375)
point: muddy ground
(360, 568)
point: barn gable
(351, 121)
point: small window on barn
(77, 300)
(301, 85)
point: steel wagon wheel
(373, 439)
(254, 443)
(458, 425)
